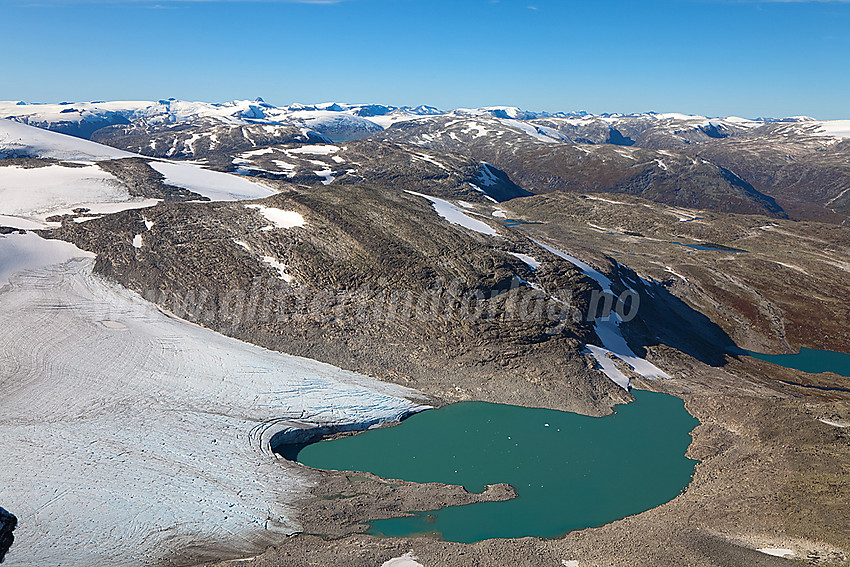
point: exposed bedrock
(8, 522)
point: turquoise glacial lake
(809, 360)
(570, 471)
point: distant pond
(808, 360)
(570, 471)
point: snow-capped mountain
(83, 118)
(339, 122)
(796, 166)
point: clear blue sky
(715, 57)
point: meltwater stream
(570, 471)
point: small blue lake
(570, 471)
(712, 248)
(808, 360)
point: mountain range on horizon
(381, 114)
(191, 289)
(793, 167)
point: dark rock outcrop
(8, 522)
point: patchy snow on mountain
(428, 158)
(327, 175)
(547, 136)
(609, 333)
(608, 366)
(486, 176)
(588, 270)
(406, 560)
(281, 268)
(776, 551)
(338, 126)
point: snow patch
(589, 271)
(455, 215)
(529, 260)
(680, 276)
(792, 267)
(406, 560)
(278, 217)
(281, 268)
(608, 366)
(317, 149)
(776, 551)
(834, 423)
(214, 185)
(428, 158)
(486, 177)
(594, 198)
(611, 336)
(541, 134)
(256, 153)
(327, 176)
(482, 191)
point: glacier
(130, 436)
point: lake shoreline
(703, 524)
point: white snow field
(214, 185)
(21, 140)
(36, 193)
(835, 128)
(130, 436)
